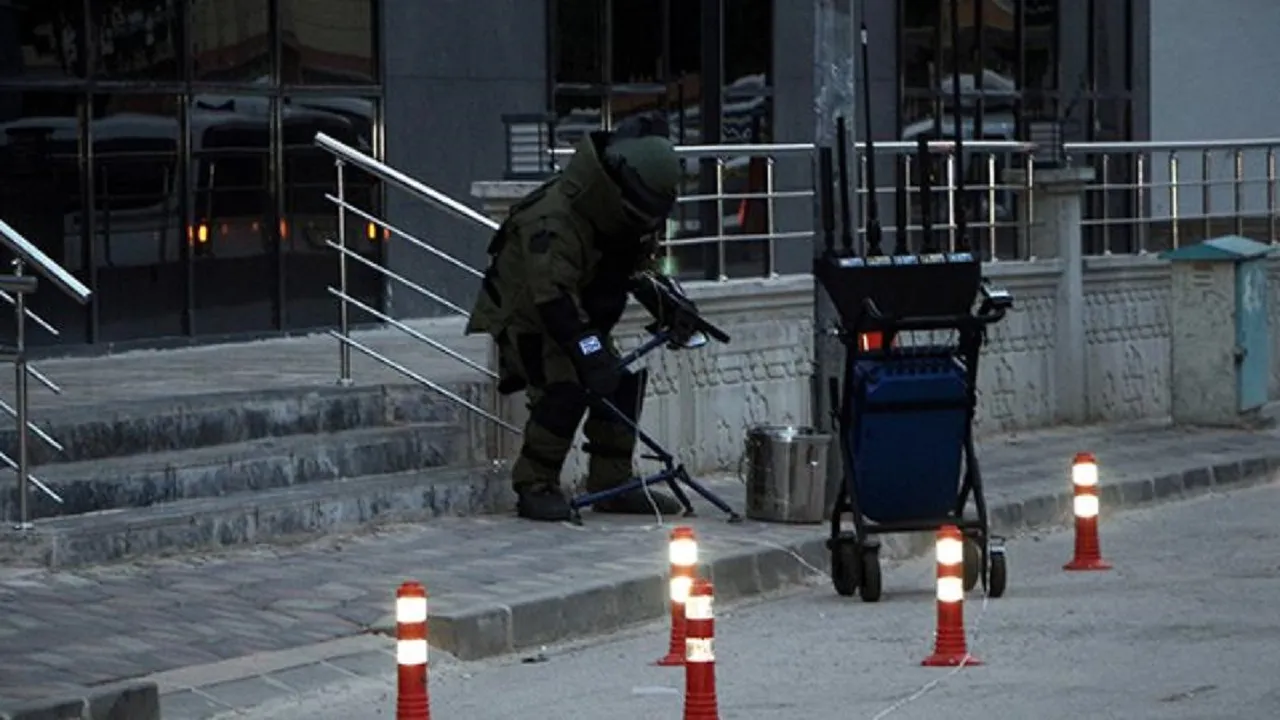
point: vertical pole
(344, 319)
(20, 399)
(835, 50)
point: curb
(125, 701)
(488, 631)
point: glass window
(230, 40)
(311, 220)
(138, 227)
(233, 234)
(42, 40)
(327, 42)
(136, 39)
(576, 115)
(748, 42)
(636, 40)
(684, 20)
(578, 38)
(41, 197)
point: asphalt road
(1186, 626)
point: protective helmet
(647, 172)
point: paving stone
(373, 663)
(309, 677)
(189, 705)
(249, 692)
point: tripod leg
(682, 475)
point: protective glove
(596, 364)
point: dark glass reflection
(576, 115)
(233, 232)
(230, 40)
(310, 220)
(579, 42)
(42, 40)
(137, 39)
(327, 43)
(41, 198)
(139, 234)
(748, 42)
(637, 40)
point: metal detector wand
(962, 212)
(874, 232)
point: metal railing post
(20, 400)
(721, 262)
(344, 318)
(770, 207)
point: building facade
(161, 149)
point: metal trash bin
(786, 474)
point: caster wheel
(972, 564)
(870, 589)
(846, 567)
(998, 575)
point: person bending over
(560, 270)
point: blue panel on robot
(907, 463)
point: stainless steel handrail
(350, 155)
(51, 270)
(27, 254)
(344, 156)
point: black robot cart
(904, 409)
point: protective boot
(543, 503)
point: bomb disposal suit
(561, 267)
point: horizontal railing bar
(34, 480)
(390, 174)
(29, 313)
(425, 382)
(396, 276)
(1171, 145)
(416, 334)
(424, 245)
(40, 433)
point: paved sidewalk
(498, 584)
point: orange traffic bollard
(700, 655)
(950, 649)
(683, 555)
(413, 702)
(1084, 505)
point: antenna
(826, 201)
(842, 157)
(874, 231)
(962, 229)
(924, 162)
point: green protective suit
(571, 246)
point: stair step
(276, 515)
(236, 469)
(94, 431)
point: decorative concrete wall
(701, 402)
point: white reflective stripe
(680, 587)
(950, 589)
(1084, 474)
(411, 652)
(950, 551)
(683, 552)
(699, 650)
(698, 607)
(411, 610)
(1085, 506)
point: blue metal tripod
(673, 473)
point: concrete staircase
(193, 471)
